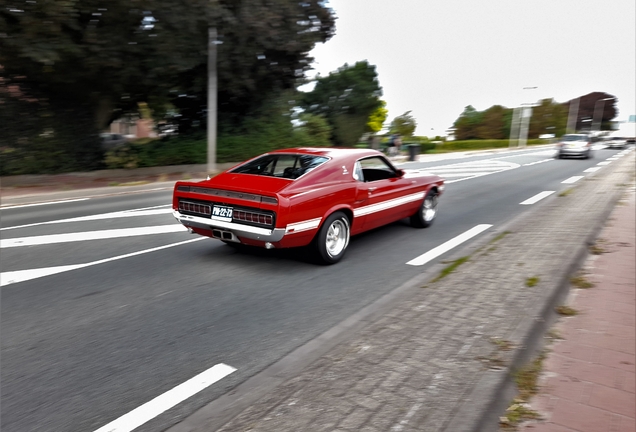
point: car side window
(357, 172)
(376, 168)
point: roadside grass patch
(581, 282)
(451, 268)
(532, 281)
(526, 379)
(500, 236)
(597, 248)
(554, 334)
(566, 192)
(565, 310)
(502, 344)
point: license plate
(222, 213)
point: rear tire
(425, 215)
(333, 238)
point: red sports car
(306, 196)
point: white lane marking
(5, 207)
(593, 169)
(572, 179)
(90, 235)
(604, 163)
(11, 277)
(450, 244)
(470, 170)
(538, 162)
(164, 402)
(146, 211)
(537, 197)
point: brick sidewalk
(587, 383)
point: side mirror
(400, 173)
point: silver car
(616, 142)
(574, 145)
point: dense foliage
(346, 98)
(404, 125)
(548, 117)
(81, 63)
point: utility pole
(212, 100)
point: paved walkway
(588, 379)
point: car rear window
(290, 166)
(574, 138)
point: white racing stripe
(538, 197)
(7, 278)
(164, 402)
(90, 235)
(450, 244)
(572, 179)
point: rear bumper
(574, 151)
(238, 230)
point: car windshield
(574, 138)
(290, 166)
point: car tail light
(253, 217)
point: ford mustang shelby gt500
(306, 196)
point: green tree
(101, 58)
(404, 125)
(466, 126)
(548, 117)
(346, 98)
(313, 130)
(493, 124)
(377, 118)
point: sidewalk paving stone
(588, 379)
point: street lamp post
(212, 99)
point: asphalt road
(107, 303)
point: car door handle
(371, 189)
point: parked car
(574, 145)
(316, 197)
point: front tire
(425, 215)
(333, 238)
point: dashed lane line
(538, 197)
(7, 207)
(167, 400)
(573, 179)
(145, 211)
(90, 235)
(12, 277)
(450, 244)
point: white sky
(434, 57)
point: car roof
(331, 152)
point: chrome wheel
(425, 215)
(337, 237)
(429, 208)
(333, 238)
